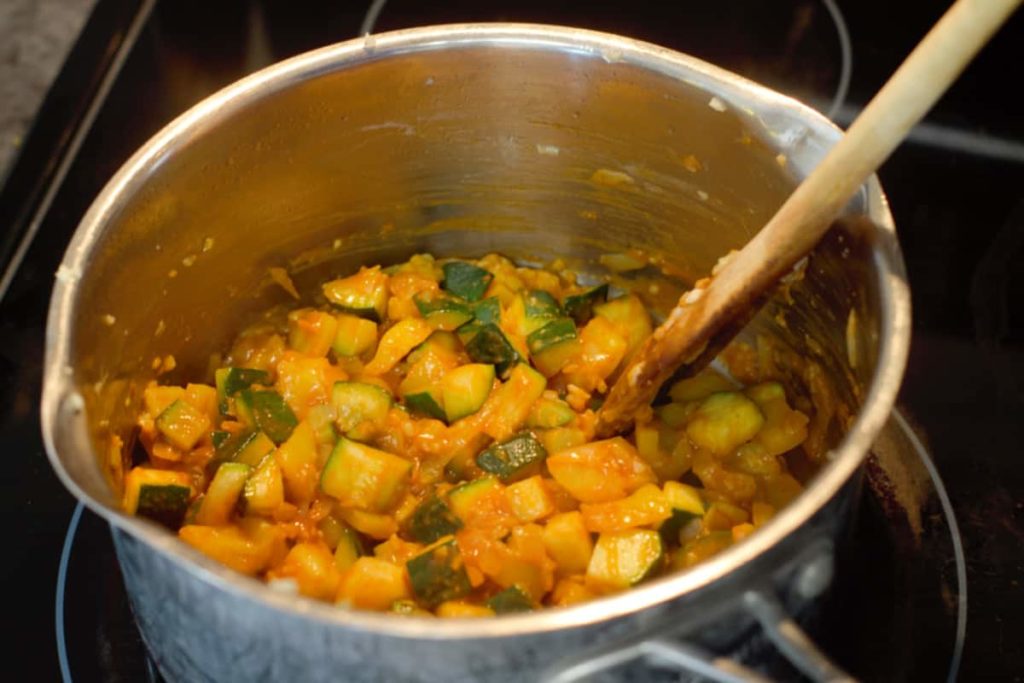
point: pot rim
(59, 391)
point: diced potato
(600, 471)
(724, 421)
(312, 567)
(397, 342)
(571, 591)
(631, 319)
(700, 387)
(722, 516)
(228, 545)
(462, 609)
(647, 506)
(508, 406)
(568, 542)
(602, 348)
(530, 499)
(374, 584)
(297, 458)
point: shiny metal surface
(535, 141)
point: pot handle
(763, 605)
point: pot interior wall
(535, 154)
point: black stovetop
(956, 193)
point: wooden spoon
(706, 318)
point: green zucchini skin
(517, 458)
(269, 412)
(555, 332)
(433, 520)
(230, 381)
(490, 345)
(438, 575)
(510, 601)
(466, 280)
(580, 307)
(424, 403)
(540, 304)
(164, 504)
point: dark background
(960, 216)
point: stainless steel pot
(530, 140)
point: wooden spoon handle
(703, 318)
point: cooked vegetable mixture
(423, 443)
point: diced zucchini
(484, 312)
(438, 574)
(699, 387)
(230, 381)
(568, 542)
(466, 280)
(551, 361)
(222, 494)
(264, 489)
(442, 312)
(357, 403)
(580, 307)
(267, 412)
(297, 458)
(161, 495)
(182, 425)
(519, 457)
(687, 506)
(466, 388)
(433, 519)
(487, 311)
(218, 438)
(489, 345)
(540, 304)
(510, 601)
(475, 495)
(558, 331)
(348, 549)
(364, 294)
(379, 527)
(354, 335)
(365, 478)
(509, 405)
(374, 584)
(427, 402)
(397, 342)
(623, 559)
(560, 438)
(675, 415)
(530, 499)
(723, 421)
(684, 497)
(311, 332)
(247, 447)
(321, 421)
(549, 413)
